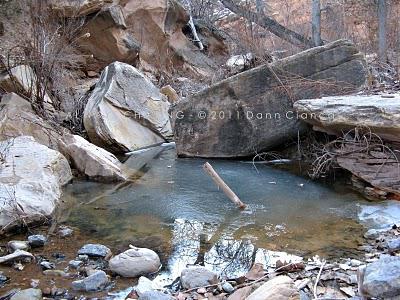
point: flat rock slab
(95, 250)
(253, 111)
(339, 114)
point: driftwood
(224, 187)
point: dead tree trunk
(382, 14)
(270, 24)
(316, 22)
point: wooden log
(224, 187)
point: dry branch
(224, 187)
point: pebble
(94, 282)
(37, 240)
(65, 231)
(59, 273)
(46, 265)
(95, 250)
(227, 287)
(75, 264)
(17, 245)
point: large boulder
(253, 111)
(159, 26)
(382, 278)
(31, 177)
(278, 288)
(335, 115)
(96, 163)
(17, 118)
(126, 111)
(106, 39)
(135, 262)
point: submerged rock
(382, 278)
(32, 176)
(95, 250)
(126, 111)
(253, 111)
(37, 240)
(31, 294)
(278, 288)
(135, 262)
(95, 162)
(94, 282)
(194, 277)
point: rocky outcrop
(96, 163)
(76, 8)
(126, 111)
(253, 111)
(158, 25)
(278, 288)
(106, 39)
(195, 277)
(17, 118)
(382, 278)
(31, 178)
(337, 115)
(135, 262)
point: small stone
(355, 263)
(35, 283)
(227, 287)
(393, 245)
(46, 265)
(65, 231)
(59, 273)
(17, 245)
(31, 294)
(18, 266)
(94, 282)
(83, 257)
(155, 295)
(194, 277)
(144, 285)
(3, 278)
(37, 240)
(95, 250)
(75, 264)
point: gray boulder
(95, 250)
(194, 277)
(126, 111)
(32, 176)
(382, 278)
(95, 282)
(135, 262)
(253, 111)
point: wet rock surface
(95, 250)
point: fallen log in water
(224, 187)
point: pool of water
(175, 208)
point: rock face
(18, 118)
(32, 175)
(126, 111)
(96, 163)
(253, 111)
(108, 39)
(382, 278)
(159, 26)
(342, 113)
(197, 277)
(76, 8)
(278, 288)
(135, 262)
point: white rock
(126, 111)
(135, 262)
(278, 288)
(16, 255)
(95, 162)
(30, 180)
